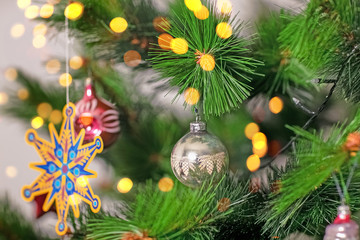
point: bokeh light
(17, 30)
(224, 30)
(224, 6)
(191, 96)
(132, 58)
(11, 171)
(39, 29)
(46, 10)
(82, 181)
(193, 5)
(4, 98)
(207, 62)
(55, 117)
(164, 41)
(259, 140)
(23, 3)
(65, 82)
(32, 12)
(260, 152)
(118, 24)
(75, 199)
(53, 66)
(166, 184)
(251, 129)
(44, 110)
(23, 94)
(37, 122)
(223, 204)
(39, 41)
(76, 62)
(179, 46)
(124, 185)
(11, 74)
(161, 24)
(253, 162)
(203, 13)
(276, 105)
(74, 10)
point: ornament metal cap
(197, 126)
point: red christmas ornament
(343, 227)
(39, 201)
(97, 116)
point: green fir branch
(281, 69)
(308, 183)
(227, 85)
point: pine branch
(225, 86)
(282, 71)
(300, 203)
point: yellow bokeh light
(193, 5)
(124, 185)
(118, 24)
(179, 46)
(191, 96)
(17, 30)
(23, 3)
(82, 181)
(11, 74)
(39, 41)
(253, 162)
(203, 13)
(261, 152)
(55, 117)
(32, 12)
(224, 30)
(166, 184)
(76, 62)
(251, 129)
(37, 122)
(39, 29)
(75, 199)
(65, 79)
(74, 11)
(161, 24)
(46, 10)
(44, 110)
(4, 98)
(132, 58)
(259, 140)
(207, 62)
(53, 66)
(276, 105)
(23, 94)
(224, 6)
(164, 41)
(11, 171)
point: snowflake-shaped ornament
(64, 169)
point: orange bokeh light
(192, 96)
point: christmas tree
(267, 155)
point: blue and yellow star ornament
(64, 169)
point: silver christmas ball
(198, 156)
(343, 227)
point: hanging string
(338, 187)
(67, 42)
